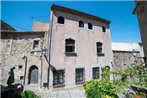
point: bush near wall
(27, 94)
(101, 89)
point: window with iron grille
(99, 47)
(58, 77)
(80, 75)
(96, 73)
(70, 45)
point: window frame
(96, 75)
(99, 47)
(81, 24)
(69, 43)
(60, 20)
(34, 46)
(103, 29)
(90, 26)
(57, 77)
(79, 76)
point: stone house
(21, 50)
(123, 55)
(78, 46)
(141, 11)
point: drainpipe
(25, 57)
(49, 48)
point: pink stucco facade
(85, 46)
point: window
(89, 26)
(95, 73)
(103, 29)
(81, 24)
(99, 47)
(58, 77)
(35, 44)
(33, 75)
(21, 77)
(70, 45)
(20, 66)
(60, 20)
(80, 75)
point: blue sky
(124, 25)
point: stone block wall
(14, 46)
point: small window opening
(81, 24)
(89, 26)
(104, 29)
(70, 45)
(21, 77)
(60, 20)
(20, 66)
(35, 44)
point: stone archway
(33, 74)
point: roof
(138, 7)
(5, 26)
(22, 32)
(82, 14)
(126, 46)
(40, 26)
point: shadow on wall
(11, 92)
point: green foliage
(135, 72)
(106, 73)
(107, 89)
(101, 89)
(27, 94)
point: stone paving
(62, 93)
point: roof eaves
(75, 12)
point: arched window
(69, 45)
(33, 74)
(99, 47)
(81, 24)
(89, 26)
(60, 20)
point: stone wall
(13, 48)
(124, 59)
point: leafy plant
(101, 89)
(27, 94)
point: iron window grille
(96, 74)
(80, 75)
(58, 77)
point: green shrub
(101, 89)
(27, 94)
